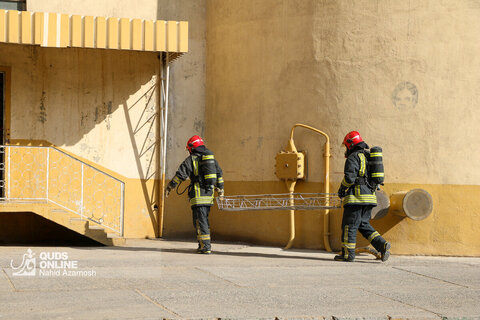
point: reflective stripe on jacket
(357, 193)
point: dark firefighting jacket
(204, 172)
(355, 177)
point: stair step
(68, 219)
(77, 219)
(96, 228)
(113, 235)
(58, 210)
(116, 240)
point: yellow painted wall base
(140, 214)
(140, 195)
(449, 230)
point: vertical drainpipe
(291, 188)
(326, 216)
(166, 73)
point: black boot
(341, 256)
(203, 250)
(385, 252)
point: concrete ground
(153, 279)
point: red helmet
(351, 139)
(193, 142)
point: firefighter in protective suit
(205, 175)
(358, 201)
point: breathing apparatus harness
(197, 178)
(375, 175)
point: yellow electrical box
(290, 165)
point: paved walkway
(152, 279)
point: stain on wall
(199, 126)
(84, 119)
(42, 116)
(104, 113)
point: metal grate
(284, 201)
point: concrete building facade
(405, 75)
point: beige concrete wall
(188, 81)
(97, 104)
(364, 49)
(187, 86)
(143, 9)
(336, 65)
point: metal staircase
(64, 189)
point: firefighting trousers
(358, 218)
(202, 226)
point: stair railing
(36, 174)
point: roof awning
(58, 30)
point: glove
(342, 192)
(220, 192)
(168, 190)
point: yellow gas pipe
(291, 188)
